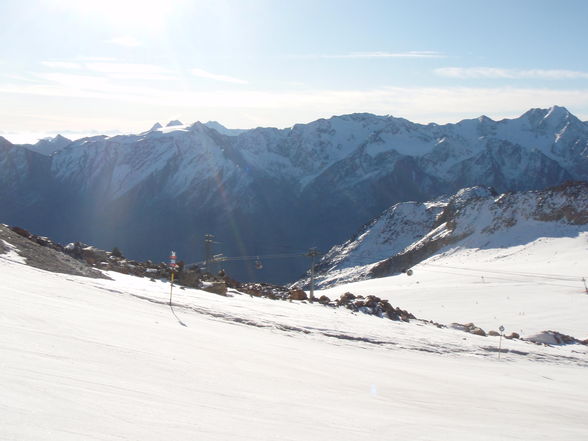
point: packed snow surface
(526, 287)
(110, 360)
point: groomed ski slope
(527, 288)
(88, 359)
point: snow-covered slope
(109, 359)
(516, 260)
(522, 287)
(474, 219)
(265, 190)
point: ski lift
(258, 264)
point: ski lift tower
(312, 253)
(208, 257)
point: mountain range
(265, 190)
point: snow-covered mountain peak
(553, 117)
(174, 122)
(198, 127)
(155, 126)
(50, 145)
(467, 194)
(222, 129)
(558, 112)
(58, 138)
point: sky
(80, 67)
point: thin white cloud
(125, 68)
(499, 73)
(61, 64)
(126, 41)
(110, 69)
(217, 77)
(377, 54)
(417, 104)
(129, 71)
(106, 59)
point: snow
(397, 228)
(222, 129)
(12, 254)
(109, 359)
(474, 219)
(528, 288)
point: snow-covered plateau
(89, 358)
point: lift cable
(492, 277)
(560, 277)
(220, 258)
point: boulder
(346, 299)
(552, 338)
(477, 331)
(215, 288)
(324, 300)
(297, 294)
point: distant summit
(4, 142)
(49, 146)
(222, 129)
(175, 122)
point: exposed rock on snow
(373, 305)
(553, 338)
(471, 329)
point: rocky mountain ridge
(474, 218)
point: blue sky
(83, 66)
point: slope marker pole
(172, 264)
(501, 329)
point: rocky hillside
(265, 190)
(43, 253)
